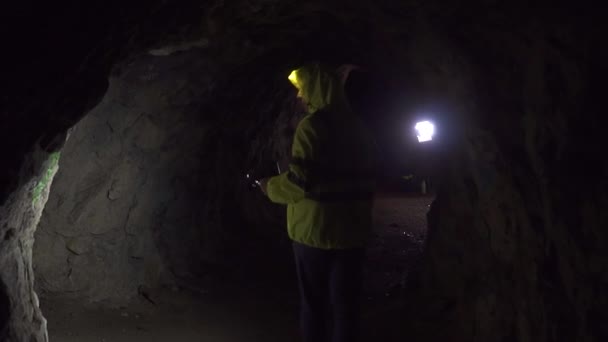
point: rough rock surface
(516, 244)
(146, 190)
(22, 319)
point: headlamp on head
(293, 78)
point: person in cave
(328, 191)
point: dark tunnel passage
(128, 130)
(141, 231)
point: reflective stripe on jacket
(329, 186)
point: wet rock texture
(148, 185)
(517, 239)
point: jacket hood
(319, 87)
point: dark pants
(330, 282)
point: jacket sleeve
(290, 187)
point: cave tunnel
(126, 213)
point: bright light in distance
(425, 131)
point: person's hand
(264, 185)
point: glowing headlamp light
(293, 77)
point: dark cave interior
(125, 213)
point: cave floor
(259, 306)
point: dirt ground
(260, 306)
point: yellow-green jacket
(329, 186)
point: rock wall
(149, 181)
(516, 242)
(22, 319)
(33, 129)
